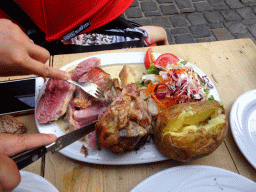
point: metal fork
(93, 90)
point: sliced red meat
(53, 103)
(78, 116)
(80, 108)
(84, 67)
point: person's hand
(156, 34)
(20, 56)
(11, 144)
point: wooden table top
(231, 67)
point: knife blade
(25, 158)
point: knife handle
(25, 158)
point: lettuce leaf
(152, 69)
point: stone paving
(192, 21)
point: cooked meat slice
(98, 76)
(77, 118)
(53, 103)
(126, 122)
(84, 67)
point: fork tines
(101, 96)
(100, 93)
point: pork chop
(126, 122)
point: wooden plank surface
(229, 64)
(70, 175)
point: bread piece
(188, 131)
(9, 124)
(127, 75)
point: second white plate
(195, 178)
(31, 182)
(243, 125)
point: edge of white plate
(33, 182)
(236, 128)
(185, 169)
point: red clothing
(56, 18)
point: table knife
(25, 158)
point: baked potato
(188, 131)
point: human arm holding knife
(20, 56)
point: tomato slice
(149, 58)
(166, 58)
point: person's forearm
(9, 174)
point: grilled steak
(126, 122)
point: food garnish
(149, 58)
(165, 59)
(170, 81)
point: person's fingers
(12, 144)
(9, 173)
(38, 53)
(28, 65)
(35, 51)
(37, 59)
(38, 68)
(30, 141)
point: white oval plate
(195, 178)
(243, 125)
(146, 154)
(31, 182)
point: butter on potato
(188, 131)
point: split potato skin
(187, 131)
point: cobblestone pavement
(192, 21)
